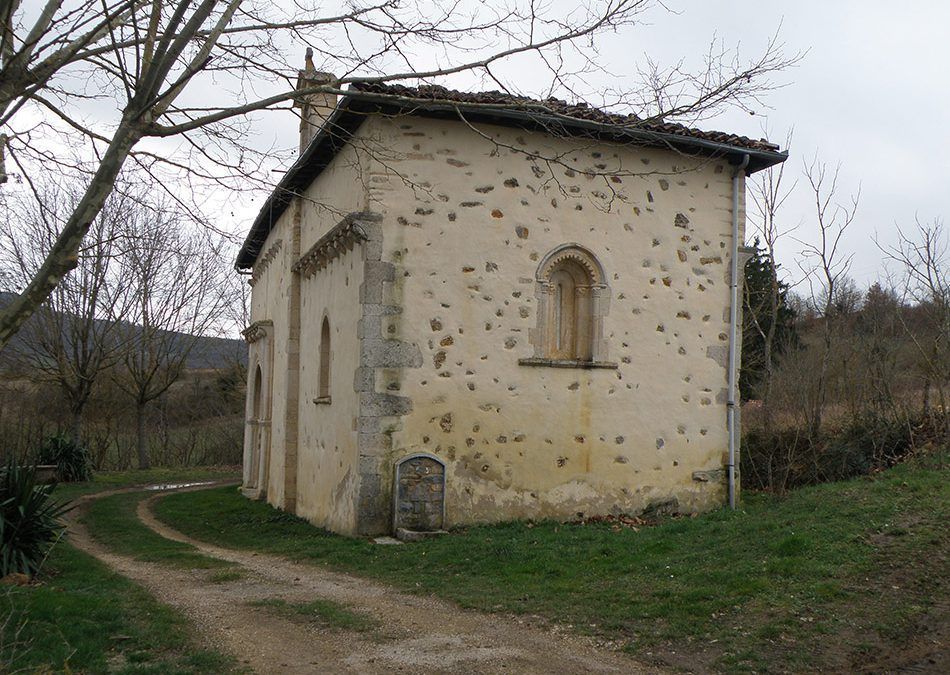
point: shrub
(780, 459)
(29, 520)
(71, 459)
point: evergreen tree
(768, 322)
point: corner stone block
(383, 405)
(369, 327)
(378, 309)
(375, 272)
(373, 249)
(370, 488)
(372, 442)
(369, 465)
(365, 379)
(389, 354)
(367, 425)
(371, 293)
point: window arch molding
(576, 253)
(573, 299)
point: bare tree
(922, 257)
(173, 295)
(112, 78)
(764, 314)
(70, 342)
(830, 289)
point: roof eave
(352, 110)
(759, 158)
(335, 132)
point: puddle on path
(177, 486)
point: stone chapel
(471, 307)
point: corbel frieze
(264, 261)
(257, 330)
(341, 238)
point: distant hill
(208, 353)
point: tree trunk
(140, 436)
(76, 428)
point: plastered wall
(269, 302)
(466, 222)
(327, 476)
(319, 439)
(327, 468)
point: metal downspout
(733, 331)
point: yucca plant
(71, 459)
(29, 520)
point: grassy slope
(83, 617)
(832, 576)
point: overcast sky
(871, 92)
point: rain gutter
(733, 332)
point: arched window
(325, 361)
(569, 337)
(572, 303)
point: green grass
(793, 582)
(85, 618)
(112, 521)
(82, 617)
(325, 612)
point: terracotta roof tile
(557, 107)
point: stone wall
(467, 220)
(270, 303)
(327, 470)
(314, 456)
(433, 312)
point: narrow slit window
(325, 354)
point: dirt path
(416, 634)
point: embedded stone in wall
(420, 494)
(717, 475)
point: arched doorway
(254, 463)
